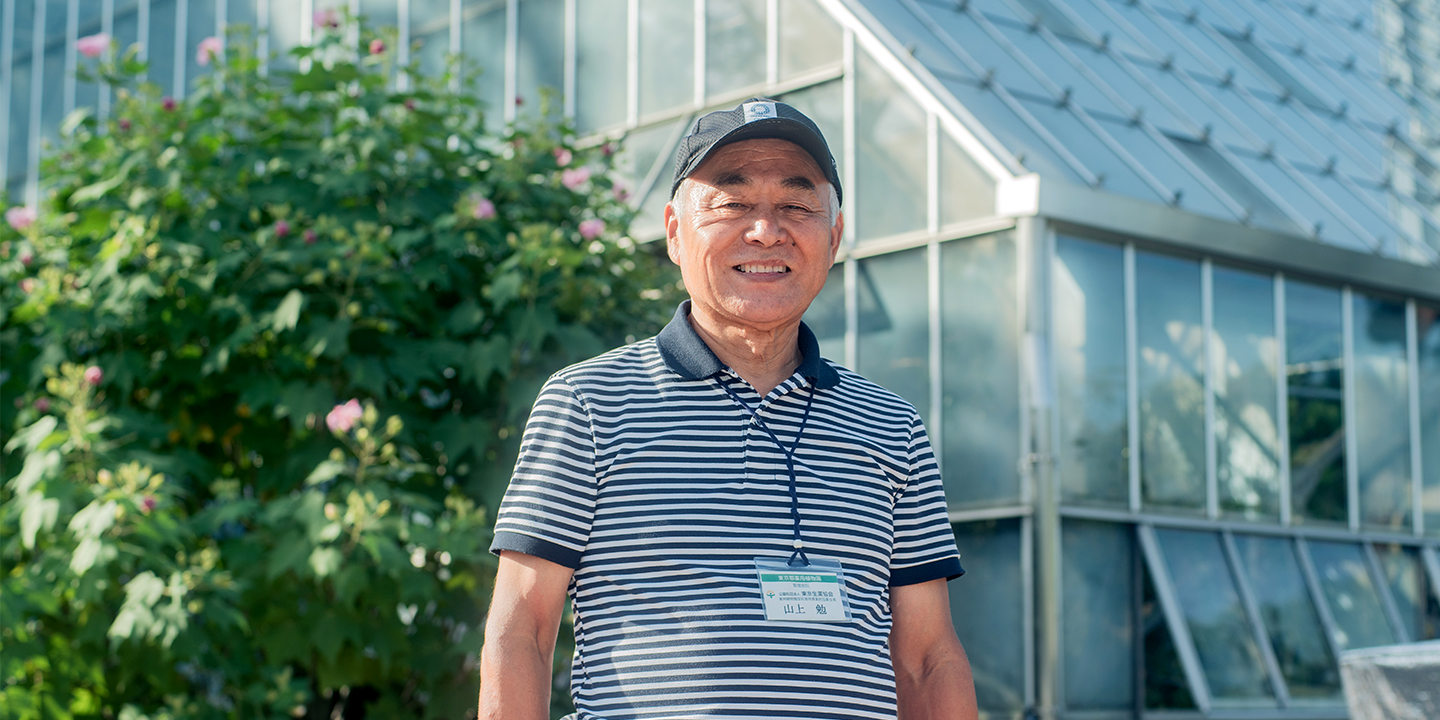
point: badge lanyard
(789, 452)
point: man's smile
(758, 268)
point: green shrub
(208, 282)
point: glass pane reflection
(1099, 624)
(989, 615)
(825, 104)
(890, 143)
(1382, 412)
(1350, 594)
(1427, 333)
(482, 35)
(1289, 616)
(600, 74)
(966, 191)
(1244, 350)
(1088, 285)
(667, 55)
(1171, 367)
(809, 38)
(826, 316)
(980, 395)
(1314, 370)
(1412, 590)
(1222, 633)
(540, 56)
(734, 45)
(894, 325)
(1165, 682)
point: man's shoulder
(630, 362)
(858, 391)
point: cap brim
(778, 128)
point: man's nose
(765, 228)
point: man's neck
(762, 357)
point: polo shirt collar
(687, 355)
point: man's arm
(520, 631)
(932, 674)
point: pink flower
(575, 177)
(483, 208)
(94, 375)
(310, 236)
(168, 103)
(209, 49)
(42, 404)
(27, 285)
(27, 258)
(93, 46)
(563, 157)
(147, 504)
(621, 190)
(607, 149)
(124, 124)
(344, 417)
(591, 229)
(519, 101)
(409, 103)
(282, 228)
(21, 217)
(377, 46)
(326, 18)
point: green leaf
(288, 314)
(39, 513)
(95, 191)
(505, 289)
(325, 472)
(324, 561)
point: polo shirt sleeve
(550, 503)
(924, 547)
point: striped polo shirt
(640, 472)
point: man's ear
(672, 233)
(837, 235)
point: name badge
(811, 593)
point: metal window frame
(262, 40)
(182, 31)
(1431, 557)
(1209, 347)
(1381, 581)
(698, 98)
(7, 79)
(1318, 598)
(1278, 684)
(142, 32)
(457, 39)
(1282, 402)
(402, 53)
(72, 32)
(1175, 617)
(571, 51)
(1048, 667)
(772, 42)
(1132, 383)
(37, 87)
(1412, 382)
(1352, 461)
(632, 63)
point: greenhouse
(1162, 276)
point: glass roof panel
(1160, 162)
(1234, 668)
(1352, 201)
(1115, 35)
(1350, 592)
(1306, 205)
(964, 31)
(1028, 147)
(1114, 173)
(918, 40)
(1104, 64)
(1264, 212)
(1060, 70)
(1290, 617)
(1198, 109)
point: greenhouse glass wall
(1162, 276)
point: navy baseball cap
(753, 119)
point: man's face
(753, 235)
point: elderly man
(744, 529)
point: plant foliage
(183, 533)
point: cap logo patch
(759, 111)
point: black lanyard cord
(789, 452)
